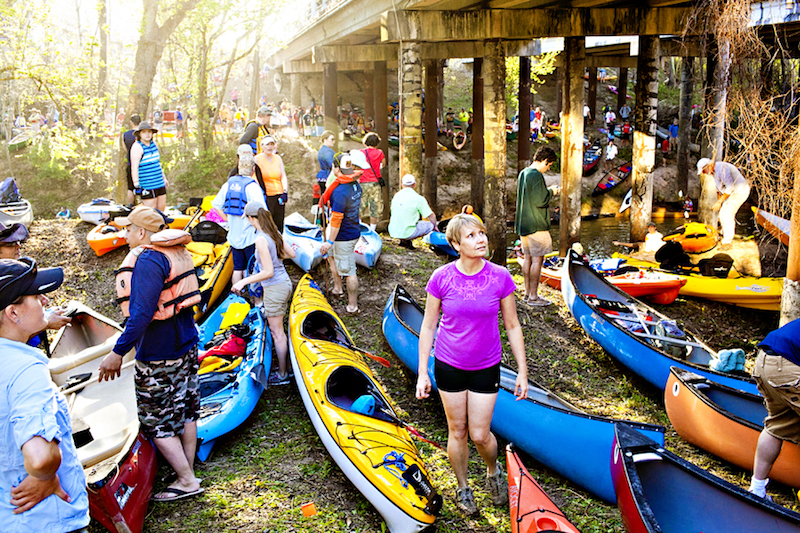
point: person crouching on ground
(344, 194)
(157, 287)
(469, 292)
(777, 374)
(411, 216)
(234, 194)
(42, 480)
(532, 222)
(273, 279)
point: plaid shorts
(168, 394)
(371, 200)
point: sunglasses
(15, 244)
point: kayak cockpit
(350, 389)
(322, 326)
(310, 231)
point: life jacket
(181, 289)
(236, 197)
(255, 144)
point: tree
(540, 66)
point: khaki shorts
(344, 252)
(537, 244)
(371, 200)
(778, 380)
(276, 299)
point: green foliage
(540, 66)
(196, 173)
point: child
(665, 150)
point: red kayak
(532, 510)
(656, 287)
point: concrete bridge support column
(295, 80)
(560, 93)
(644, 136)
(330, 96)
(572, 142)
(524, 135)
(622, 88)
(381, 100)
(369, 97)
(591, 99)
(433, 71)
(410, 68)
(685, 123)
(494, 147)
(476, 184)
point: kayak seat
(200, 248)
(349, 388)
(320, 325)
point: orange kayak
(107, 237)
(532, 510)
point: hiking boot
(497, 485)
(406, 243)
(465, 501)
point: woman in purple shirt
(469, 293)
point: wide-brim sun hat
(22, 278)
(143, 126)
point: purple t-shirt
(469, 335)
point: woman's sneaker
(497, 485)
(276, 379)
(465, 501)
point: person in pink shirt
(469, 293)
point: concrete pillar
(410, 68)
(644, 136)
(592, 97)
(560, 92)
(329, 98)
(433, 71)
(296, 97)
(524, 135)
(622, 88)
(382, 127)
(476, 183)
(494, 148)
(684, 122)
(440, 102)
(572, 142)
(369, 97)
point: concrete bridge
(415, 36)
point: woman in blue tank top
(275, 283)
(148, 177)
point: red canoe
(532, 510)
(656, 287)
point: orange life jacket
(181, 288)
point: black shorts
(129, 177)
(241, 258)
(451, 379)
(149, 194)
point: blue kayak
(228, 398)
(636, 335)
(575, 444)
(438, 241)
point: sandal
(352, 311)
(171, 494)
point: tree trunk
(204, 125)
(102, 74)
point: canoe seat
(349, 388)
(320, 325)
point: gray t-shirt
(279, 274)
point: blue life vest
(236, 197)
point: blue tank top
(151, 176)
(279, 274)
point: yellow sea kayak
(212, 259)
(353, 416)
(744, 291)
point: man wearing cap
(161, 288)
(256, 129)
(230, 201)
(345, 200)
(732, 191)
(411, 216)
(42, 485)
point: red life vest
(181, 289)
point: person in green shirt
(411, 216)
(532, 221)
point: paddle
(376, 358)
(411, 429)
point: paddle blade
(376, 358)
(235, 314)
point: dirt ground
(260, 474)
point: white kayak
(626, 202)
(368, 247)
(305, 238)
(14, 212)
(99, 210)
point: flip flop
(172, 477)
(177, 494)
(353, 312)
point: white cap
(266, 139)
(244, 149)
(359, 159)
(409, 180)
(702, 164)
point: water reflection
(597, 235)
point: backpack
(208, 231)
(718, 266)
(9, 192)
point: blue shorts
(242, 257)
(452, 379)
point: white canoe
(97, 211)
(305, 238)
(14, 212)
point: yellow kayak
(353, 416)
(744, 291)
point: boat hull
(368, 248)
(16, 212)
(641, 357)
(438, 241)
(728, 429)
(780, 228)
(305, 239)
(573, 443)
(98, 212)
